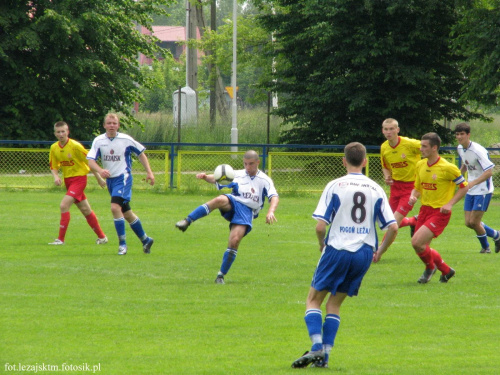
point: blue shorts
(239, 214)
(477, 202)
(120, 186)
(341, 270)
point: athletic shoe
(412, 230)
(122, 250)
(321, 363)
(449, 275)
(497, 245)
(183, 224)
(219, 279)
(147, 246)
(56, 242)
(426, 276)
(485, 251)
(101, 241)
(308, 358)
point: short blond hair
(390, 121)
(112, 115)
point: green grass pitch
(162, 313)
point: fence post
(172, 164)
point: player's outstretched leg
(198, 213)
(183, 224)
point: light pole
(234, 126)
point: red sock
(426, 257)
(94, 224)
(404, 223)
(63, 225)
(408, 221)
(439, 262)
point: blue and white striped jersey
(352, 204)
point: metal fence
(294, 168)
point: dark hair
(433, 138)
(462, 127)
(355, 154)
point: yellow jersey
(401, 159)
(437, 182)
(71, 159)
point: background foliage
(72, 61)
(343, 66)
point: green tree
(167, 75)
(71, 60)
(478, 38)
(343, 66)
(254, 61)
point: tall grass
(252, 125)
(252, 128)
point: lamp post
(234, 123)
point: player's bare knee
(218, 202)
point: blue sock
(313, 320)
(490, 232)
(120, 230)
(227, 260)
(136, 226)
(330, 328)
(483, 240)
(198, 213)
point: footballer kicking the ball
(240, 207)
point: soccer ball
(224, 174)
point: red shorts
(400, 195)
(75, 187)
(433, 219)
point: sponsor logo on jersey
(429, 186)
(400, 164)
(112, 157)
(66, 163)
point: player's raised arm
(207, 177)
